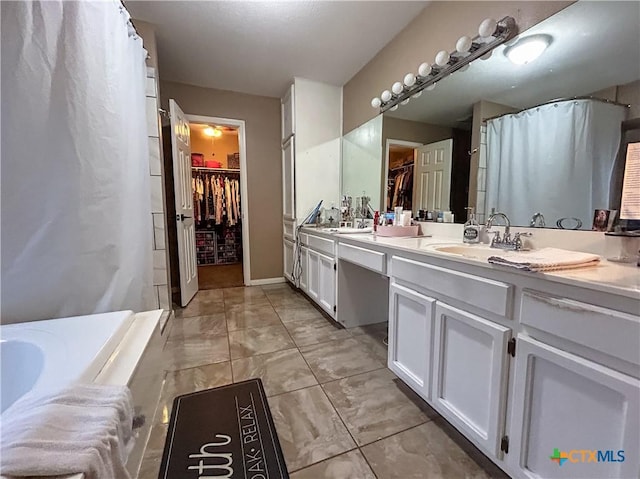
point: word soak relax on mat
(226, 432)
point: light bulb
(431, 87)
(397, 88)
(424, 69)
(487, 55)
(463, 44)
(442, 58)
(386, 96)
(217, 132)
(404, 102)
(394, 108)
(409, 80)
(464, 68)
(209, 131)
(376, 102)
(527, 49)
(417, 95)
(487, 27)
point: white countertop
(615, 278)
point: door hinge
(511, 347)
(335, 267)
(504, 444)
(335, 308)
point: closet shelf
(203, 168)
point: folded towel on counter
(545, 259)
(80, 429)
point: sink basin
(476, 252)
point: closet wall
(264, 170)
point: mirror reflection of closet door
(432, 176)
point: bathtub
(119, 348)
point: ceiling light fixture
(527, 49)
(209, 131)
(491, 33)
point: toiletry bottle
(376, 219)
(471, 228)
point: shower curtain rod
(560, 100)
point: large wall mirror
(524, 138)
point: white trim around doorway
(244, 193)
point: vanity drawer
(606, 330)
(289, 229)
(487, 294)
(366, 258)
(322, 245)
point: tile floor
(339, 412)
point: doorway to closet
(206, 194)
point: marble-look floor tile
(339, 359)
(313, 331)
(277, 287)
(243, 294)
(374, 345)
(249, 342)
(308, 427)
(150, 466)
(188, 381)
(350, 465)
(251, 315)
(209, 295)
(372, 406)
(301, 313)
(377, 330)
(185, 353)
(198, 326)
(424, 451)
(280, 372)
(200, 308)
(287, 300)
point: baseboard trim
(262, 282)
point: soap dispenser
(471, 228)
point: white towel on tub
(80, 429)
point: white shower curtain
(556, 159)
(76, 213)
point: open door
(185, 224)
(432, 176)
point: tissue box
(384, 230)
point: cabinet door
(304, 269)
(470, 374)
(313, 274)
(410, 338)
(567, 403)
(327, 284)
(288, 180)
(288, 259)
(288, 120)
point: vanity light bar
(448, 63)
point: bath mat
(223, 432)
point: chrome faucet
(537, 221)
(506, 242)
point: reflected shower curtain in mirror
(76, 210)
(556, 159)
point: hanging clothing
(216, 199)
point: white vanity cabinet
(566, 402)
(470, 368)
(410, 352)
(288, 258)
(304, 269)
(319, 272)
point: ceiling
(259, 46)
(594, 45)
